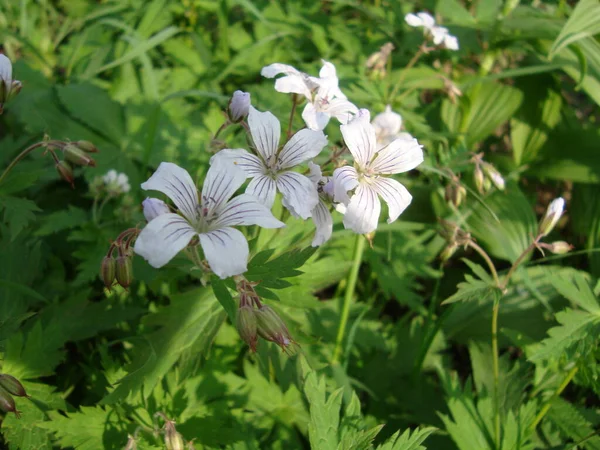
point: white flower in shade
(320, 214)
(293, 81)
(154, 207)
(116, 183)
(439, 35)
(369, 177)
(211, 218)
(239, 105)
(5, 77)
(270, 170)
(553, 214)
(387, 127)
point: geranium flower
(320, 214)
(387, 127)
(210, 218)
(369, 176)
(440, 35)
(270, 169)
(116, 183)
(294, 81)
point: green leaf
(18, 213)
(407, 440)
(324, 413)
(573, 424)
(63, 219)
(482, 289)
(584, 22)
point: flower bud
(246, 324)
(65, 171)
(7, 403)
(131, 443)
(108, 271)
(124, 271)
(173, 440)
(86, 146)
(77, 156)
(494, 176)
(455, 194)
(560, 247)
(553, 214)
(271, 327)
(12, 385)
(239, 106)
(479, 179)
(448, 252)
(153, 208)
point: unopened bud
(239, 106)
(153, 208)
(108, 271)
(65, 171)
(173, 440)
(131, 443)
(271, 327)
(560, 247)
(553, 214)
(14, 90)
(7, 403)
(124, 271)
(86, 146)
(494, 176)
(12, 385)
(479, 179)
(246, 324)
(77, 156)
(455, 193)
(448, 252)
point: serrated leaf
(407, 440)
(324, 413)
(18, 213)
(569, 420)
(482, 289)
(62, 220)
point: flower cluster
(439, 35)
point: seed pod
(108, 271)
(12, 385)
(448, 252)
(478, 178)
(247, 326)
(86, 146)
(65, 171)
(173, 440)
(124, 272)
(7, 403)
(76, 156)
(560, 247)
(271, 328)
(14, 90)
(494, 176)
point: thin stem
(19, 157)
(517, 262)
(496, 369)
(410, 64)
(359, 248)
(487, 259)
(221, 128)
(292, 113)
(559, 390)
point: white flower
(5, 76)
(211, 218)
(387, 127)
(440, 35)
(368, 177)
(116, 183)
(270, 170)
(239, 105)
(320, 214)
(553, 214)
(294, 81)
(154, 207)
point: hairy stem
(487, 259)
(557, 393)
(359, 248)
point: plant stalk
(548, 404)
(20, 156)
(487, 259)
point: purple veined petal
(251, 164)
(245, 209)
(226, 251)
(399, 156)
(275, 69)
(343, 110)
(302, 146)
(359, 136)
(394, 194)
(263, 188)
(294, 84)
(265, 130)
(344, 179)
(323, 224)
(314, 118)
(221, 181)
(176, 182)
(362, 213)
(163, 238)
(154, 207)
(299, 193)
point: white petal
(394, 194)
(342, 110)
(315, 173)
(226, 251)
(439, 34)
(153, 208)
(427, 19)
(245, 209)
(315, 119)
(239, 105)
(413, 20)
(328, 70)
(344, 179)
(451, 42)
(323, 224)
(359, 136)
(299, 193)
(263, 187)
(221, 181)
(387, 123)
(273, 70)
(265, 130)
(163, 238)
(176, 182)
(6, 71)
(400, 156)
(362, 213)
(251, 164)
(302, 146)
(294, 84)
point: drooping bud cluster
(119, 268)
(377, 62)
(455, 237)
(256, 319)
(9, 88)
(9, 387)
(485, 175)
(455, 192)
